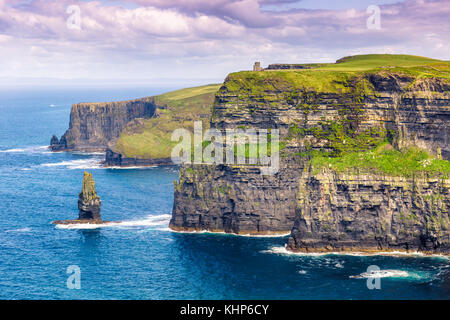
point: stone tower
(257, 66)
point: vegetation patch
(335, 77)
(176, 109)
(384, 159)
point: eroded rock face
(235, 199)
(368, 212)
(114, 159)
(89, 202)
(93, 125)
(372, 212)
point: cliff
(148, 141)
(136, 132)
(364, 150)
(370, 212)
(234, 199)
(93, 126)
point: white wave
(234, 234)
(284, 251)
(302, 272)
(91, 163)
(87, 153)
(19, 230)
(150, 221)
(33, 149)
(128, 168)
(164, 229)
(382, 274)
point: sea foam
(283, 251)
(20, 230)
(33, 149)
(150, 221)
(382, 274)
(91, 163)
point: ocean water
(140, 258)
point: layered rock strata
(93, 126)
(369, 211)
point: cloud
(208, 37)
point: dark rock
(287, 66)
(234, 199)
(58, 145)
(114, 159)
(54, 141)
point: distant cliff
(136, 132)
(93, 126)
(364, 150)
(148, 141)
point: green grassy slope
(334, 77)
(150, 138)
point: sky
(201, 41)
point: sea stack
(89, 202)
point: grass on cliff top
(384, 159)
(151, 138)
(334, 77)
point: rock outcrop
(115, 159)
(89, 202)
(95, 125)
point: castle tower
(257, 66)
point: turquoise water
(141, 258)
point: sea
(138, 256)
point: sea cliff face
(93, 126)
(235, 199)
(136, 132)
(373, 209)
(369, 212)
(116, 159)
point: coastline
(118, 162)
(365, 251)
(266, 234)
